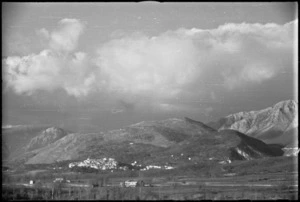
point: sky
(90, 67)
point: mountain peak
(286, 105)
(287, 102)
(46, 137)
(268, 124)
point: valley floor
(280, 185)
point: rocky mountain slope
(167, 142)
(46, 137)
(274, 125)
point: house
(59, 180)
(229, 174)
(31, 182)
(132, 183)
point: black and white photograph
(149, 100)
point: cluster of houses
(100, 164)
(112, 164)
(135, 164)
(61, 180)
(133, 183)
(148, 167)
(165, 167)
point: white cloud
(66, 37)
(237, 55)
(53, 68)
(48, 71)
(147, 65)
(250, 73)
(159, 68)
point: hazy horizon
(99, 66)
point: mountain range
(240, 136)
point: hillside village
(112, 164)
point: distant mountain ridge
(175, 141)
(273, 125)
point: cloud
(263, 50)
(48, 71)
(65, 38)
(140, 69)
(58, 67)
(178, 62)
(250, 73)
(156, 66)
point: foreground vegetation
(172, 192)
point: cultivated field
(281, 185)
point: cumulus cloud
(48, 71)
(65, 37)
(261, 51)
(57, 67)
(148, 65)
(178, 62)
(155, 69)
